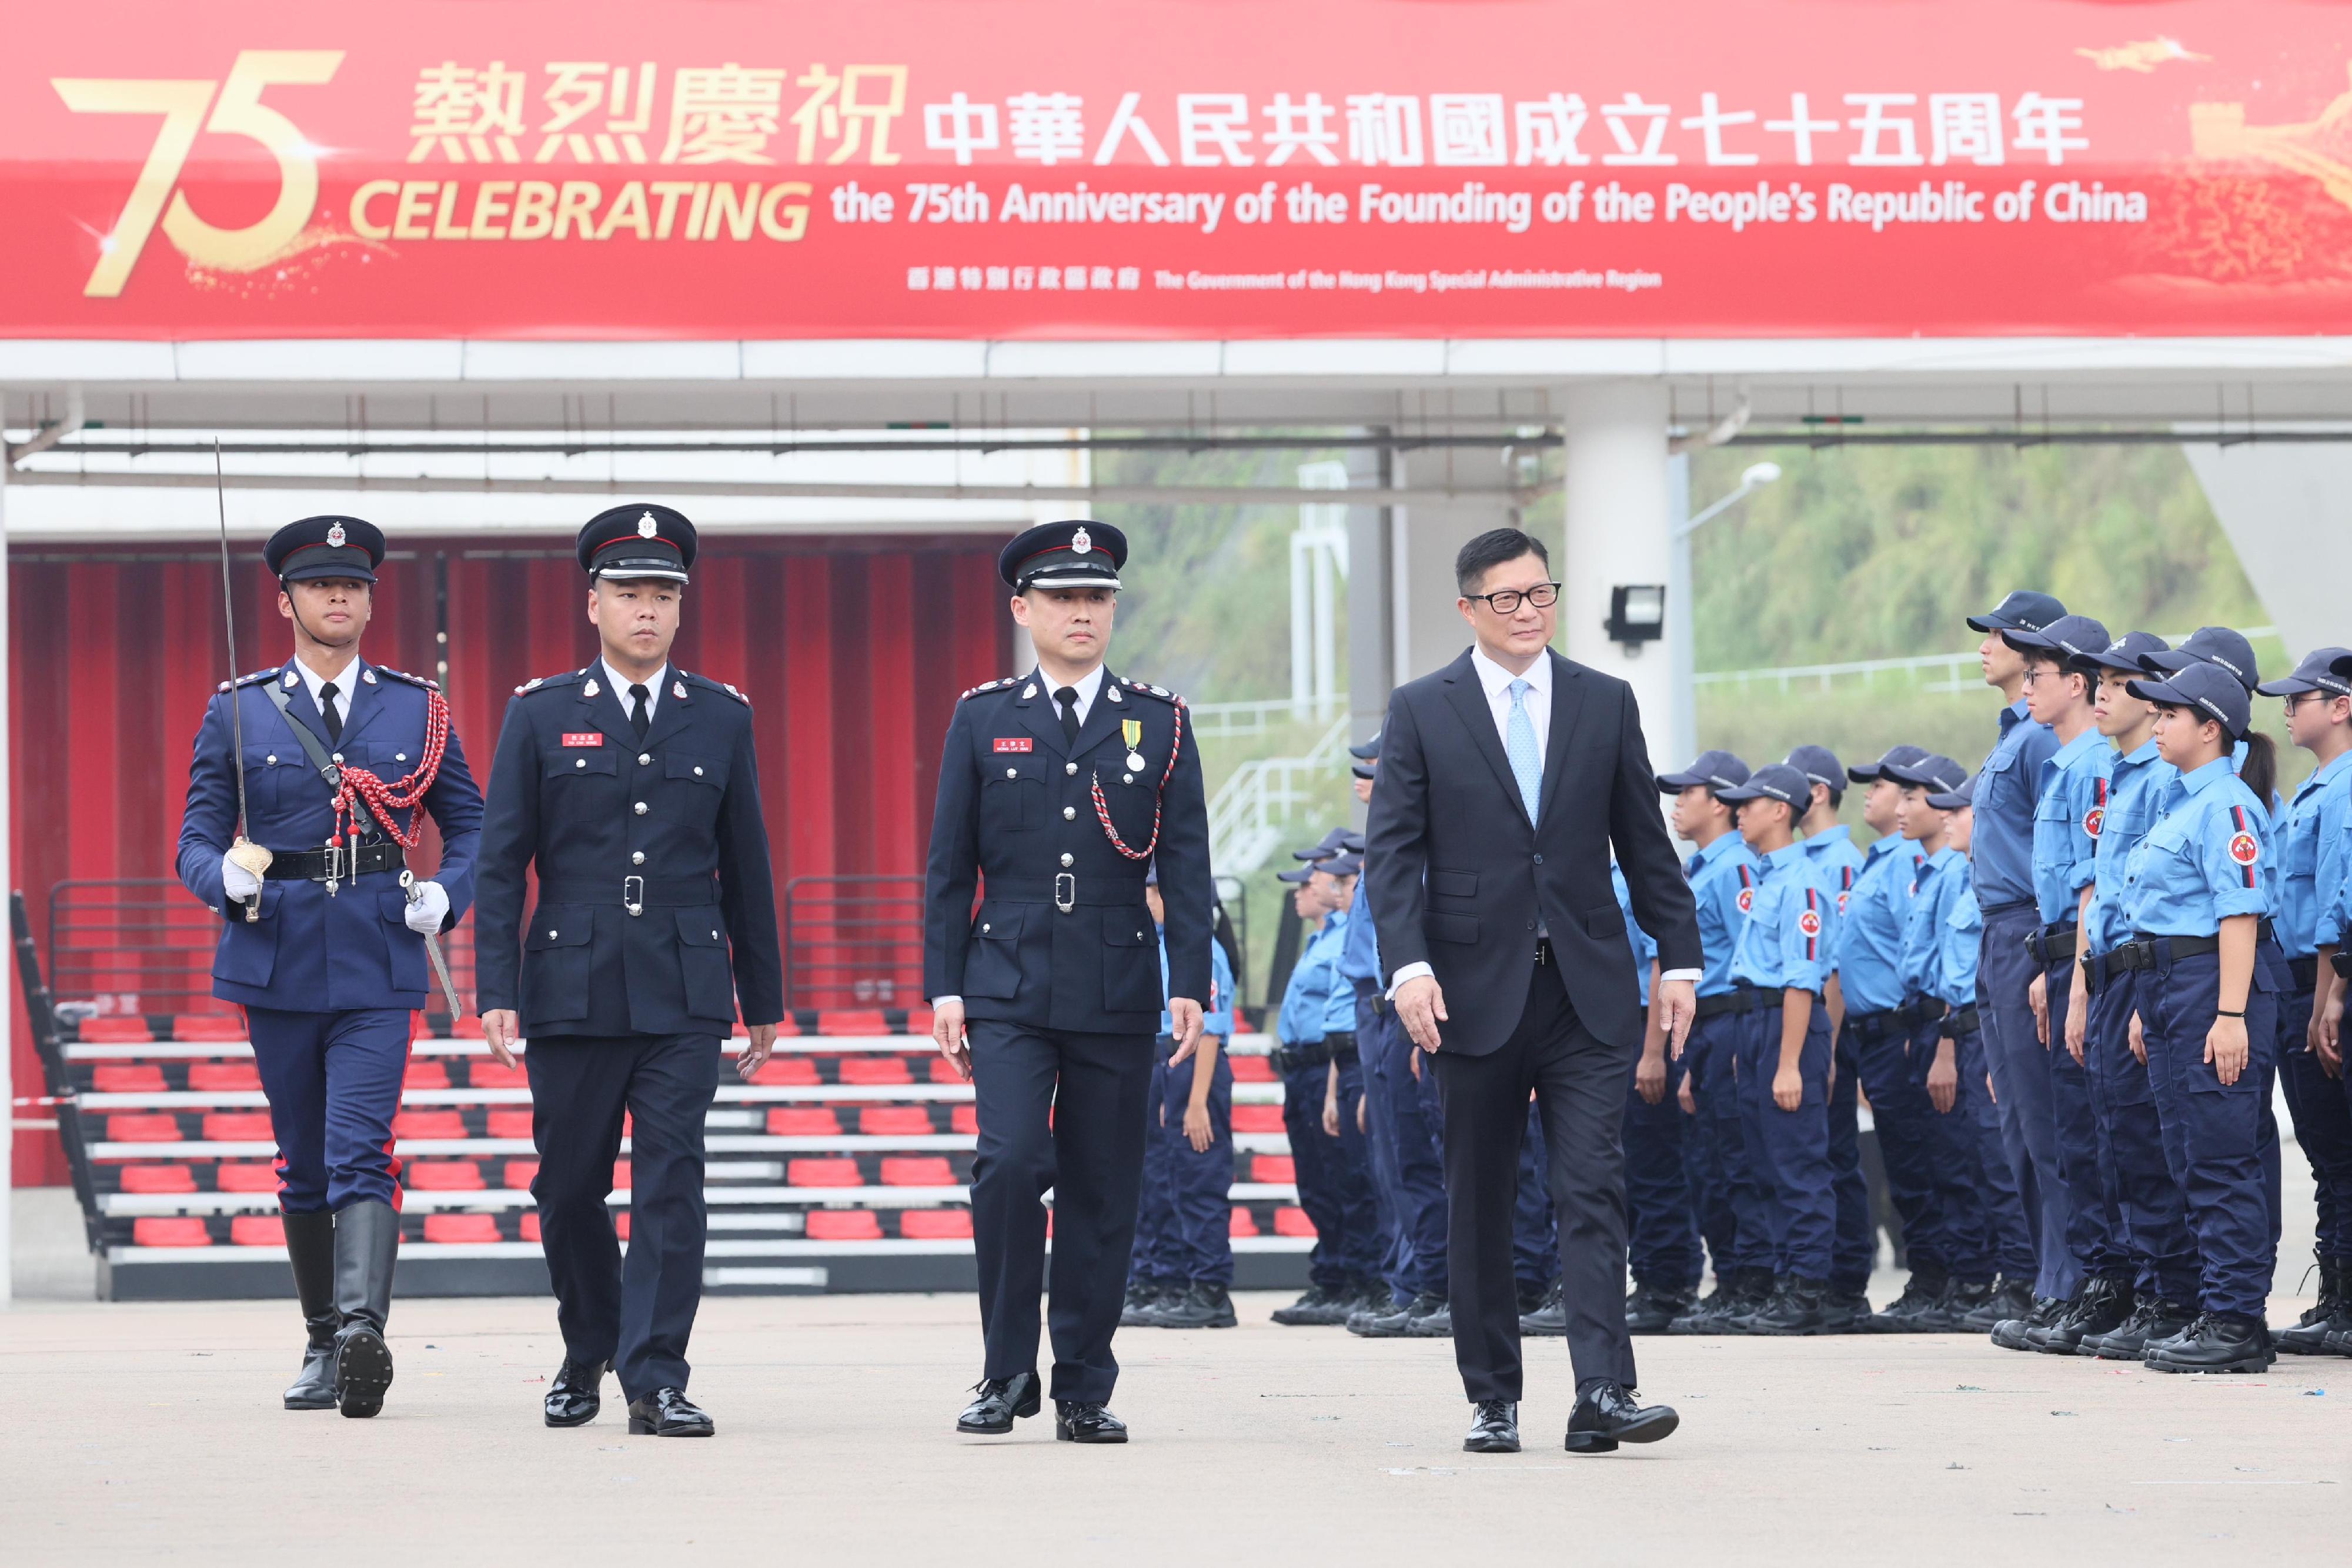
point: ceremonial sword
(433, 949)
(244, 852)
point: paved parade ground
(147, 1432)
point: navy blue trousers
(2152, 1219)
(2213, 1132)
(1151, 1259)
(1198, 1183)
(1409, 1159)
(1901, 1114)
(2092, 1218)
(2003, 1222)
(1855, 1246)
(333, 1085)
(1334, 1180)
(2026, 1104)
(1790, 1150)
(1733, 1214)
(1662, 1243)
(2322, 1112)
(640, 1314)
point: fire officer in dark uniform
(632, 786)
(1057, 790)
(322, 941)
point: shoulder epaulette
(420, 681)
(549, 683)
(990, 686)
(1162, 693)
(247, 680)
(706, 683)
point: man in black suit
(1506, 779)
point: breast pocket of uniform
(555, 963)
(267, 774)
(1130, 962)
(248, 949)
(404, 948)
(698, 782)
(992, 968)
(702, 964)
(590, 770)
(1012, 798)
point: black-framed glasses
(1543, 596)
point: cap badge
(335, 535)
(646, 528)
(1080, 543)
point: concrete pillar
(2287, 510)
(1617, 534)
(1371, 628)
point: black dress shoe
(1001, 1400)
(1494, 1427)
(2217, 1341)
(574, 1397)
(667, 1413)
(1608, 1417)
(1085, 1421)
(1549, 1318)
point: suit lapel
(673, 710)
(1567, 705)
(1039, 715)
(1101, 721)
(1469, 700)
(366, 699)
(604, 709)
(299, 708)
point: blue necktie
(1520, 743)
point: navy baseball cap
(2212, 691)
(636, 541)
(1333, 842)
(1352, 843)
(1933, 772)
(1773, 781)
(330, 546)
(2213, 645)
(1955, 799)
(1820, 764)
(1081, 553)
(1341, 865)
(1360, 769)
(2322, 670)
(1896, 757)
(2024, 610)
(1716, 771)
(2124, 653)
(1296, 876)
(1367, 751)
(2070, 637)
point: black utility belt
(339, 863)
(1962, 1024)
(2054, 945)
(2343, 962)
(2305, 971)
(1313, 1052)
(634, 894)
(1066, 892)
(1745, 1000)
(2139, 953)
(1889, 1021)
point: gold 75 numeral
(239, 111)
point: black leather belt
(1312, 1053)
(1065, 892)
(2052, 945)
(2305, 971)
(1995, 911)
(1745, 1000)
(1962, 1024)
(1892, 1021)
(2139, 953)
(633, 893)
(341, 863)
(2343, 962)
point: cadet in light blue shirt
(1829, 845)
(1662, 1238)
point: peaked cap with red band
(1076, 554)
(327, 546)
(637, 541)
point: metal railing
(131, 945)
(1258, 716)
(1253, 807)
(853, 942)
(1958, 671)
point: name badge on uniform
(1012, 743)
(583, 737)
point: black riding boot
(310, 1248)
(367, 1244)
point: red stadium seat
(1257, 1119)
(918, 1170)
(238, 1127)
(620, 1175)
(1251, 1069)
(131, 1030)
(823, 1172)
(128, 1077)
(426, 1073)
(852, 1021)
(844, 1225)
(895, 1122)
(965, 1119)
(804, 1121)
(519, 1174)
(256, 1231)
(158, 1178)
(223, 1077)
(531, 1225)
(1280, 1168)
(197, 1028)
(787, 1071)
(414, 1124)
(875, 1070)
(143, 1127)
(936, 1223)
(1292, 1222)
(170, 1230)
(244, 1175)
(919, 1021)
(462, 1228)
(1245, 1223)
(943, 1070)
(483, 1073)
(444, 1176)
(509, 1123)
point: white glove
(429, 909)
(237, 882)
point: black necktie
(1068, 697)
(639, 720)
(327, 711)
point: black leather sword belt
(340, 863)
(1745, 1000)
(2053, 944)
(1064, 893)
(634, 894)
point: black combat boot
(2331, 1318)
(1795, 1309)
(1734, 1295)
(2152, 1321)
(310, 1248)
(2008, 1299)
(2216, 1342)
(1201, 1306)
(1319, 1305)
(367, 1245)
(2103, 1304)
(1650, 1309)
(1920, 1291)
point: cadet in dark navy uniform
(1059, 788)
(325, 948)
(632, 786)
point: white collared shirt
(621, 688)
(1088, 686)
(1497, 681)
(345, 679)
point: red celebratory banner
(1175, 168)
